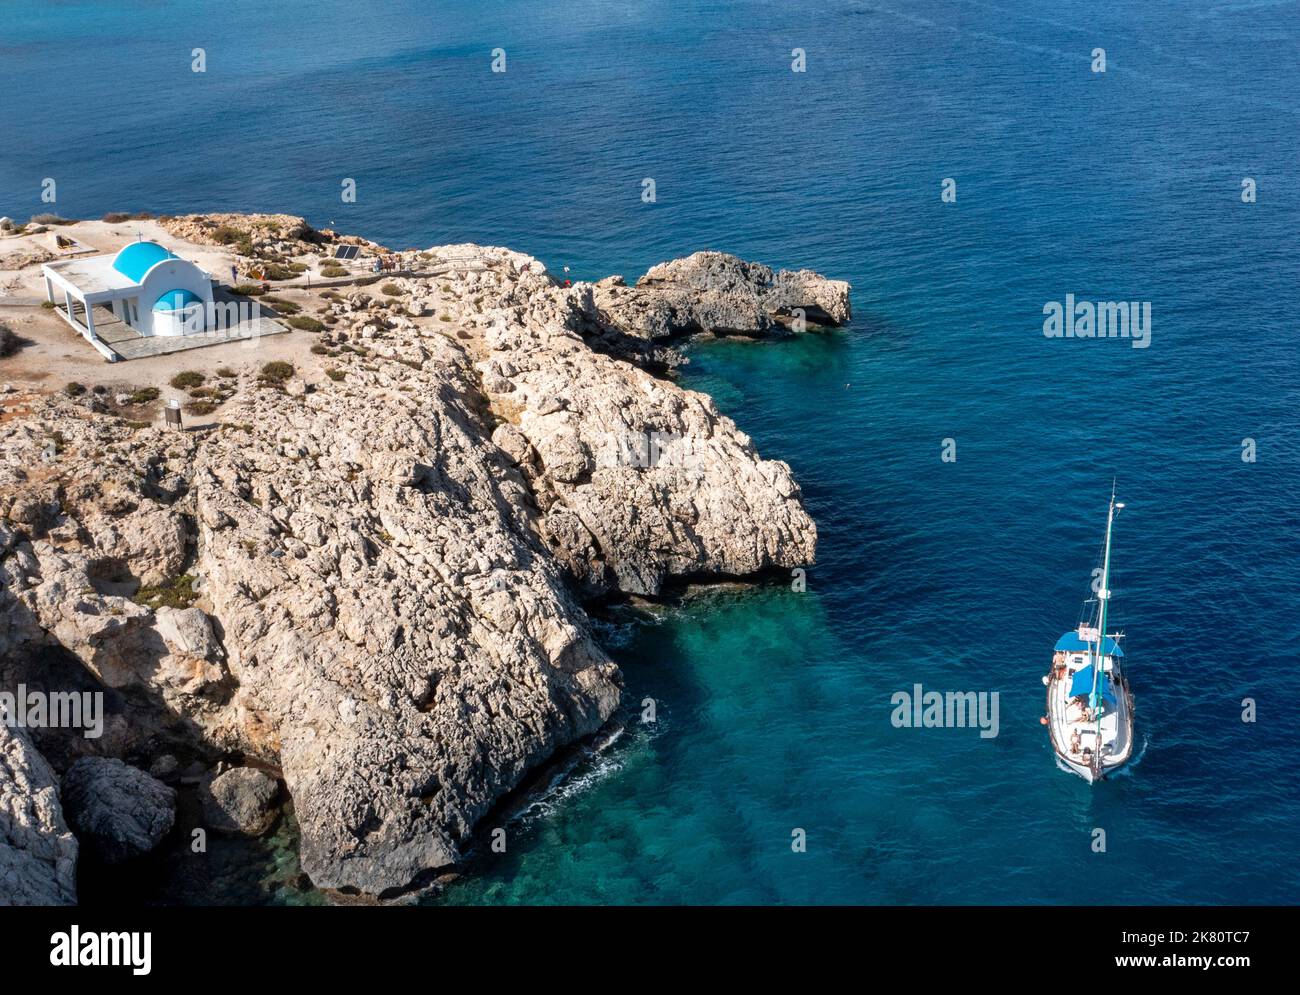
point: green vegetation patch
(305, 322)
(179, 593)
(276, 371)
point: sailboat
(1089, 702)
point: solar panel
(347, 252)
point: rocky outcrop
(639, 479)
(240, 801)
(118, 812)
(710, 292)
(283, 232)
(38, 855)
(370, 582)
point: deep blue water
(774, 706)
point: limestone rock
(709, 292)
(241, 801)
(38, 855)
(118, 812)
(188, 631)
(372, 586)
(641, 480)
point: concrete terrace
(127, 343)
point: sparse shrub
(116, 217)
(225, 235)
(201, 407)
(274, 271)
(335, 374)
(320, 350)
(188, 379)
(391, 290)
(51, 219)
(277, 371)
(144, 395)
(305, 323)
(281, 305)
(74, 389)
(9, 342)
(48, 305)
(179, 593)
(248, 289)
(226, 373)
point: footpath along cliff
(368, 585)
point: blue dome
(174, 300)
(136, 259)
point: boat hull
(1118, 746)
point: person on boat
(1074, 741)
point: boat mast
(1103, 596)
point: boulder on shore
(241, 801)
(117, 811)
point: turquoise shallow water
(774, 705)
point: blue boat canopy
(1082, 684)
(174, 300)
(1071, 643)
(136, 259)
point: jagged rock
(188, 631)
(38, 855)
(241, 801)
(118, 812)
(641, 480)
(707, 292)
(710, 278)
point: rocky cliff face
(375, 580)
(38, 855)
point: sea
(966, 165)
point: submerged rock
(117, 811)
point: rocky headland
(365, 576)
